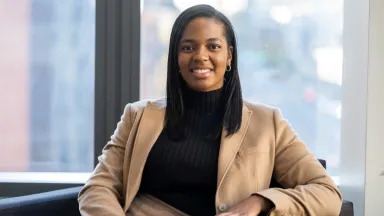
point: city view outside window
(290, 56)
(47, 77)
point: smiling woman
(203, 150)
(204, 54)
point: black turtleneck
(183, 173)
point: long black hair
(175, 110)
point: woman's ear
(230, 52)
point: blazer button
(222, 207)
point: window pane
(47, 85)
(290, 56)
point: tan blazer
(264, 146)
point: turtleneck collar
(202, 102)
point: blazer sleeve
(309, 190)
(102, 193)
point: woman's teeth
(201, 70)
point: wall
(374, 179)
(362, 116)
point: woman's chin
(204, 86)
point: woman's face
(203, 54)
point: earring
(229, 68)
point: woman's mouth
(202, 73)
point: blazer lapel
(150, 127)
(230, 146)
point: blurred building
(57, 63)
(62, 85)
(14, 82)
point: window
(47, 78)
(290, 56)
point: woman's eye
(186, 48)
(214, 46)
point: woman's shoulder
(264, 113)
(141, 104)
(261, 108)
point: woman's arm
(102, 193)
(310, 190)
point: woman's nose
(201, 55)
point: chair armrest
(53, 203)
(347, 209)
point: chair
(64, 203)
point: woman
(203, 150)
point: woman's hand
(252, 206)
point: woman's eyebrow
(187, 41)
(193, 41)
(213, 39)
